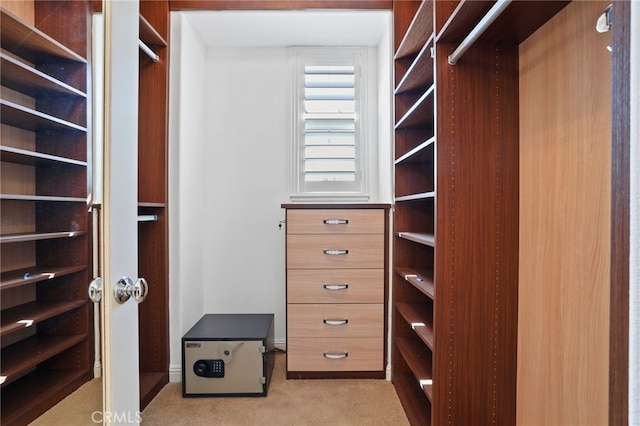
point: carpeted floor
(289, 402)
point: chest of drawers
(336, 286)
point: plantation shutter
(329, 123)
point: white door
(119, 232)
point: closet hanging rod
(146, 49)
(478, 30)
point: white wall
(246, 148)
(229, 137)
(187, 173)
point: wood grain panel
(17, 256)
(18, 138)
(620, 213)
(23, 9)
(278, 4)
(306, 354)
(565, 158)
(18, 217)
(476, 270)
(356, 320)
(362, 285)
(312, 221)
(307, 251)
(17, 179)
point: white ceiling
(289, 28)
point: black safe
(228, 355)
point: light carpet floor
(289, 402)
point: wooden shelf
(142, 204)
(32, 82)
(47, 108)
(150, 384)
(20, 238)
(420, 73)
(419, 322)
(420, 29)
(30, 43)
(23, 401)
(418, 409)
(149, 35)
(420, 238)
(463, 19)
(417, 357)
(32, 158)
(153, 318)
(29, 119)
(419, 154)
(420, 278)
(417, 197)
(23, 316)
(22, 357)
(420, 114)
(517, 22)
(21, 277)
(47, 198)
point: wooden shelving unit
(44, 262)
(413, 343)
(455, 280)
(152, 199)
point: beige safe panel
(243, 367)
(335, 320)
(335, 285)
(335, 251)
(335, 221)
(340, 354)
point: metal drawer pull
(336, 355)
(336, 252)
(335, 286)
(336, 221)
(335, 321)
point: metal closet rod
(146, 49)
(478, 30)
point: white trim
(175, 373)
(366, 83)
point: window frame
(330, 191)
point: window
(329, 153)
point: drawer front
(335, 285)
(340, 354)
(335, 251)
(335, 320)
(335, 221)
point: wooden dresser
(336, 290)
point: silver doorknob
(95, 290)
(125, 288)
(140, 290)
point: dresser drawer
(335, 285)
(335, 251)
(339, 354)
(335, 221)
(335, 320)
